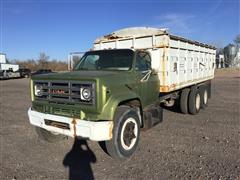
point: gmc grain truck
(117, 87)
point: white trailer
(8, 70)
(2, 58)
(11, 67)
(179, 62)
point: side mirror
(146, 75)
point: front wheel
(126, 133)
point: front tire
(126, 133)
(48, 136)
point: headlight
(86, 94)
(38, 90)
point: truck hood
(77, 75)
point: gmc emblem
(58, 91)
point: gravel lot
(205, 146)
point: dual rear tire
(192, 100)
(204, 96)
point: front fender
(111, 105)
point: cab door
(146, 77)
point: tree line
(42, 62)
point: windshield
(106, 60)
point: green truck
(116, 89)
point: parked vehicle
(8, 70)
(7, 66)
(42, 71)
(24, 72)
(8, 74)
(116, 89)
(2, 74)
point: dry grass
(234, 69)
(228, 71)
(35, 65)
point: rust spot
(163, 65)
(173, 86)
(111, 37)
(74, 128)
(110, 130)
(164, 89)
(162, 46)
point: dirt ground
(204, 146)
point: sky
(58, 27)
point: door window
(143, 61)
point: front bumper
(96, 131)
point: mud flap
(152, 116)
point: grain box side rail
(179, 62)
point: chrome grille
(64, 91)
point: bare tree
(43, 60)
(237, 40)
